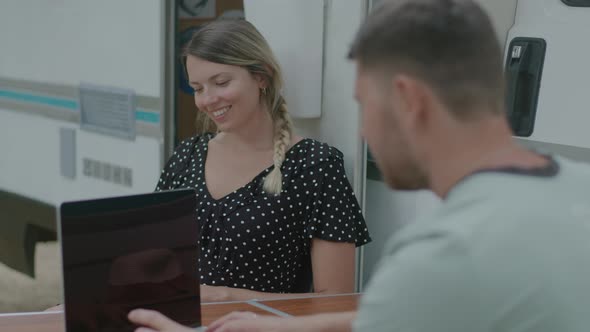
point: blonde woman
(276, 211)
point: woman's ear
(264, 84)
(263, 79)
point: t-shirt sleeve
(428, 285)
(335, 212)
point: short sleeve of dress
(176, 164)
(335, 212)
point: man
(509, 250)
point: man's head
(422, 67)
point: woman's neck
(257, 134)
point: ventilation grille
(107, 172)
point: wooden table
(315, 304)
(53, 321)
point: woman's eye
(224, 83)
(197, 90)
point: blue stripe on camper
(69, 104)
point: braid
(273, 182)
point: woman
(276, 212)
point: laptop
(122, 253)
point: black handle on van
(577, 3)
(524, 66)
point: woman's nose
(206, 99)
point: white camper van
(92, 101)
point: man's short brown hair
(449, 44)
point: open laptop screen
(129, 252)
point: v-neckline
(205, 152)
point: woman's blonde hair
(237, 42)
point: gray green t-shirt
(507, 251)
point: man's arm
(428, 284)
(250, 322)
(332, 322)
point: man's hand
(153, 321)
(251, 322)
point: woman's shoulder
(188, 144)
(185, 149)
(312, 152)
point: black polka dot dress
(250, 239)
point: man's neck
(475, 148)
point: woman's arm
(333, 266)
(333, 272)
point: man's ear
(411, 100)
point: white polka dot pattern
(253, 240)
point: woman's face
(230, 95)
